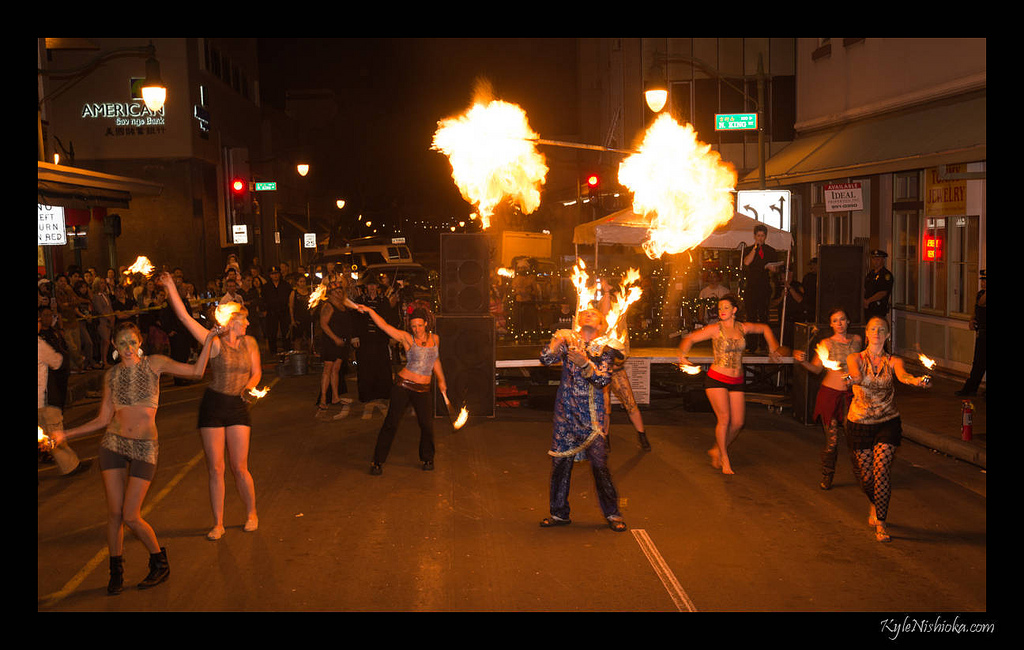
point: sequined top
(231, 368)
(134, 385)
(420, 359)
(579, 402)
(839, 351)
(874, 397)
(728, 351)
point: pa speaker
(467, 356)
(805, 383)
(840, 281)
(465, 281)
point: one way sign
(771, 207)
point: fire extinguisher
(967, 433)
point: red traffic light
(592, 180)
(238, 186)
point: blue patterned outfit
(579, 422)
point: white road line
(664, 573)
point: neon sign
(932, 248)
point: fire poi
(492, 156)
(683, 185)
(140, 265)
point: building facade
(207, 132)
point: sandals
(549, 522)
(881, 534)
(617, 525)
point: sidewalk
(932, 417)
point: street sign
(52, 231)
(239, 234)
(265, 186)
(736, 122)
(771, 207)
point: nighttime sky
(392, 92)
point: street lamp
(656, 92)
(302, 168)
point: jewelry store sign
(52, 231)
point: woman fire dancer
(724, 381)
(128, 450)
(412, 385)
(873, 425)
(834, 394)
(224, 420)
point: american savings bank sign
(124, 113)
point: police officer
(980, 325)
(877, 287)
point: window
(905, 261)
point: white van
(361, 254)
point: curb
(964, 451)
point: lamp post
(656, 93)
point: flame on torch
(259, 392)
(682, 182)
(928, 363)
(822, 353)
(689, 369)
(318, 294)
(141, 265)
(492, 156)
(506, 273)
(223, 313)
(461, 420)
(629, 292)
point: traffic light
(589, 185)
(239, 193)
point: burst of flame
(42, 436)
(259, 392)
(689, 369)
(492, 157)
(223, 313)
(629, 292)
(928, 363)
(141, 265)
(822, 353)
(318, 294)
(682, 183)
(506, 273)
(461, 420)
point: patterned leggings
(872, 467)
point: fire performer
(620, 385)
(579, 422)
(128, 450)
(724, 381)
(412, 384)
(873, 426)
(834, 394)
(224, 420)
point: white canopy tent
(630, 229)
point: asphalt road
(465, 537)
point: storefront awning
(943, 133)
(72, 187)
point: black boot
(644, 443)
(116, 584)
(158, 569)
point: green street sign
(736, 122)
(265, 187)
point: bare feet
(215, 533)
(872, 519)
(716, 460)
(251, 524)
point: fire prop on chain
(223, 313)
(44, 440)
(926, 362)
(681, 182)
(318, 294)
(492, 156)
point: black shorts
(138, 468)
(219, 410)
(866, 436)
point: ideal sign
(52, 231)
(843, 196)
